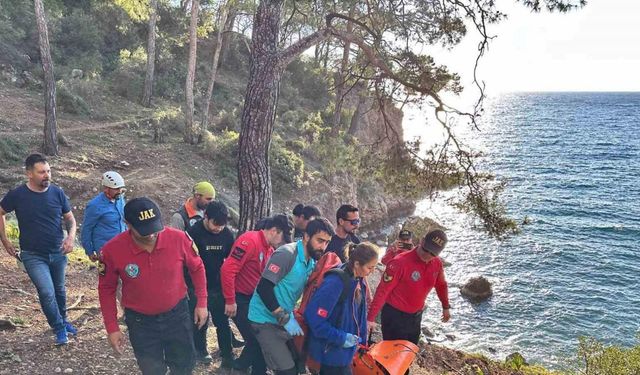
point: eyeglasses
(352, 222)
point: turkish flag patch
(274, 268)
(238, 253)
(323, 313)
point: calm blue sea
(573, 165)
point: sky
(591, 49)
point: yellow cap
(205, 189)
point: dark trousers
(251, 354)
(221, 322)
(333, 370)
(399, 325)
(199, 335)
(162, 340)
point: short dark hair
(311, 211)
(317, 225)
(297, 210)
(281, 222)
(218, 212)
(343, 211)
(34, 159)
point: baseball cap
(204, 188)
(405, 234)
(285, 224)
(434, 242)
(144, 216)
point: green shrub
(11, 151)
(287, 166)
(69, 102)
(597, 359)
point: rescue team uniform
(184, 219)
(337, 245)
(403, 291)
(103, 220)
(186, 216)
(329, 322)
(213, 249)
(288, 269)
(240, 274)
(391, 253)
(154, 297)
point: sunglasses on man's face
(352, 222)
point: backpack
(329, 264)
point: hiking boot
(71, 330)
(227, 362)
(235, 343)
(204, 358)
(61, 337)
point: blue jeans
(46, 271)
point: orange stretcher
(392, 357)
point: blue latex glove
(292, 327)
(350, 341)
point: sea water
(572, 162)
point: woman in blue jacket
(337, 312)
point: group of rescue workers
(173, 279)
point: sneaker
(61, 337)
(204, 358)
(71, 330)
(235, 343)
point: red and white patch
(323, 313)
(274, 268)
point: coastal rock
(374, 278)
(477, 289)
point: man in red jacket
(240, 274)
(150, 259)
(406, 282)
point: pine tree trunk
(190, 132)
(151, 54)
(50, 144)
(258, 116)
(226, 36)
(214, 65)
(341, 77)
(360, 109)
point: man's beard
(313, 253)
(45, 183)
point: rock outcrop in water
(477, 289)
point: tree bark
(341, 77)
(223, 11)
(354, 126)
(226, 36)
(151, 54)
(258, 116)
(191, 132)
(50, 144)
(259, 112)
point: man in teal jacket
(104, 215)
(279, 288)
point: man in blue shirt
(280, 287)
(40, 208)
(104, 215)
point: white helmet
(112, 180)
